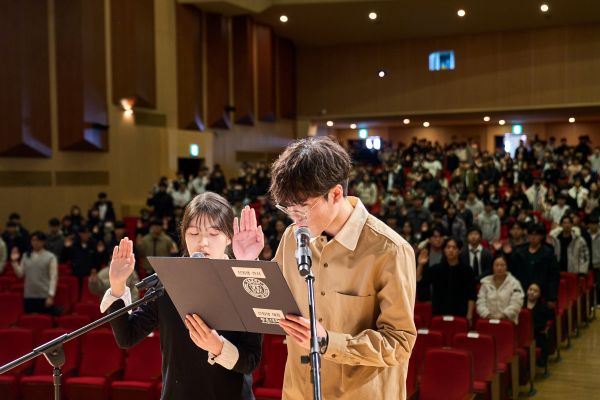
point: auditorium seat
(411, 380)
(40, 384)
(6, 282)
(72, 322)
(424, 309)
(73, 284)
(36, 322)
(562, 316)
(418, 320)
(64, 269)
(483, 349)
(447, 374)
(18, 287)
(86, 295)
(63, 298)
(90, 310)
(449, 326)
(426, 340)
(574, 299)
(14, 343)
(101, 361)
(142, 372)
(11, 305)
(504, 333)
(274, 358)
(526, 348)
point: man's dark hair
(309, 168)
(41, 236)
(566, 216)
(537, 229)
(13, 216)
(54, 222)
(474, 228)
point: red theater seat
(447, 374)
(426, 340)
(142, 372)
(526, 348)
(90, 310)
(101, 360)
(72, 322)
(449, 326)
(14, 343)
(274, 358)
(11, 305)
(36, 322)
(483, 349)
(424, 309)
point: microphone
(152, 280)
(303, 253)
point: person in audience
(195, 357)
(106, 212)
(3, 255)
(595, 249)
(39, 267)
(501, 295)
(536, 194)
(559, 209)
(155, 244)
(517, 235)
(81, 253)
(489, 223)
(181, 195)
(55, 239)
(13, 238)
(75, 219)
(367, 191)
(541, 314)
(475, 255)
(433, 245)
(570, 248)
(161, 201)
(455, 225)
(99, 282)
(536, 262)
(452, 282)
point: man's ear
(338, 193)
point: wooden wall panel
(266, 73)
(190, 101)
(24, 79)
(243, 69)
(133, 51)
(217, 71)
(81, 75)
(286, 78)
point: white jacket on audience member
(503, 302)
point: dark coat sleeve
(249, 347)
(130, 329)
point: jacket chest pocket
(353, 314)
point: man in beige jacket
(364, 280)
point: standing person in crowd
(82, 254)
(198, 362)
(13, 238)
(595, 249)
(99, 283)
(181, 195)
(55, 239)
(452, 282)
(570, 248)
(536, 263)
(367, 191)
(365, 279)
(3, 254)
(536, 194)
(106, 211)
(161, 201)
(517, 235)
(559, 209)
(433, 245)
(40, 269)
(464, 212)
(156, 244)
(501, 295)
(455, 225)
(541, 314)
(475, 255)
(489, 223)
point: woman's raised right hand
(121, 266)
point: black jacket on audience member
(485, 266)
(185, 369)
(82, 258)
(452, 288)
(540, 267)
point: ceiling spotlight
(426, 124)
(486, 118)
(283, 18)
(502, 122)
(372, 16)
(352, 126)
(461, 13)
(329, 123)
(406, 121)
(381, 73)
(572, 120)
(544, 8)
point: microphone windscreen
(198, 254)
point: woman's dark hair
(207, 205)
(452, 239)
(309, 168)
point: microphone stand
(304, 267)
(54, 350)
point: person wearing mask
(40, 269)
(455, 225)
(501, 295)
(82, 254)
(55, 240)
(198, 362)
(570, 248)
(452, 282)
(475, 255)
(536, 262)
(489, 223)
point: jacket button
(322, 293)
(326, 265)
(320, 319)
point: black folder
(229, 295)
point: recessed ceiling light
(461, 13)
(372, 16)
(381, 73)
(352, 126)
(572, 119)
(426, 124)
(329, 123)
(502, 122)
(544, 8)
(486, 118)
(406, 121)
(283, 18)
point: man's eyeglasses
(298, 215)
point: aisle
(577, 375)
